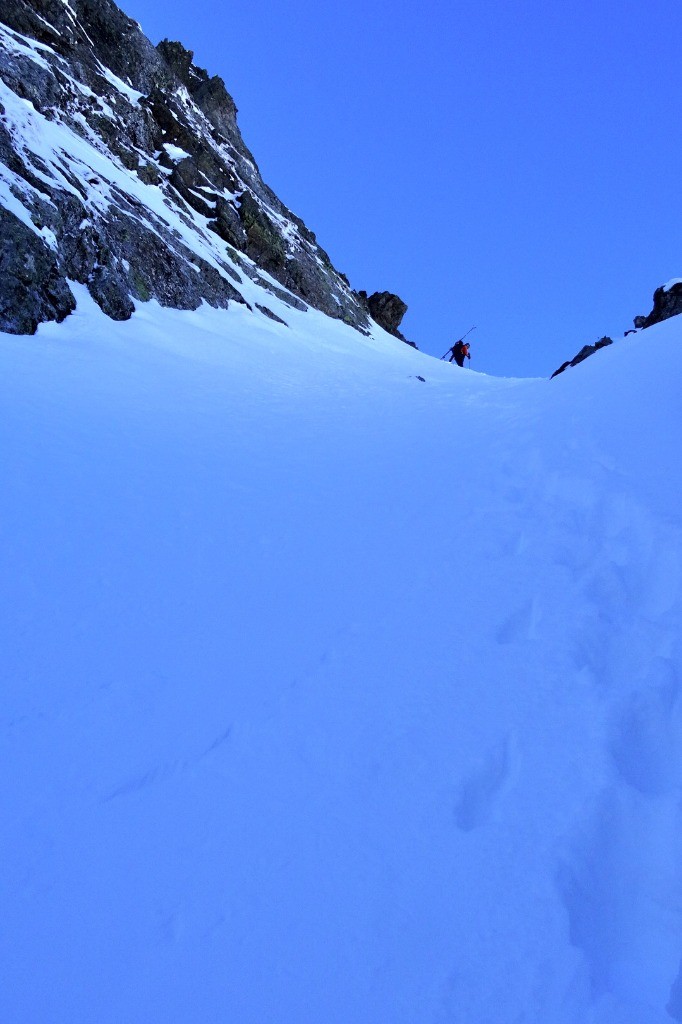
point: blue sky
(511, 165)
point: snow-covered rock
(127, 171)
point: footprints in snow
(619, 617)
(166, 771)
(479, 792)
(646, 739)
(620, 887)
(622, 883)
(520, 625)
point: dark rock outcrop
(667, 303)
(387, 310)
(31, 287)
(127, 172)
(585, 351)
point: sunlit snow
(174, 152)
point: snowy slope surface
(331, 696)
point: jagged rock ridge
(585, 351)
(667, 303)
(122, 167)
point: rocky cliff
(122, 167)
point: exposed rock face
(23, 262)
(122, 167)
(388, 311)
(585, 351)
(667, 303)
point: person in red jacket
(459, 352)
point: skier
(459, 352)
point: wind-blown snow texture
(331, 695)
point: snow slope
(332, 696)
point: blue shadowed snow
(332, 695)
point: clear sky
(514, 165)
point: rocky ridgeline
(122, 167)
(667, 303)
